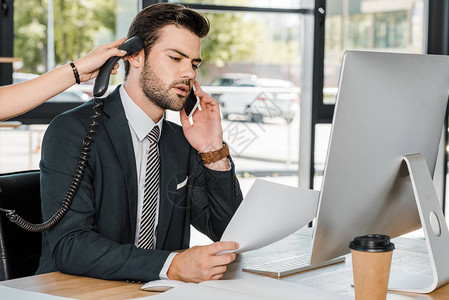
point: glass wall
(393, 26)
(252, 66)
(44, 40)
(379, 25)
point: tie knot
(153, 136)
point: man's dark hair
(149, 21)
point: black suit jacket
(96, 237)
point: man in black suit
(99, 236)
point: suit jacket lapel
(117, 128)
(169, 170)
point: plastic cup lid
(372, 243)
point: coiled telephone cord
(79, 173)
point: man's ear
(137, 60)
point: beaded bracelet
(75, 73)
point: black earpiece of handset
(131, 46)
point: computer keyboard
(289, 266)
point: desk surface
(410, 255)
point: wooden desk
(78, 287)
(410, 255)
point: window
(371, 25)
(376, 25)
(78, 27)
(253, 68)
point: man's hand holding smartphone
(205, 133)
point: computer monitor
(389, 105)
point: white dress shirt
(140, 124)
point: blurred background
(273, 65)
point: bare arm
(18, 98)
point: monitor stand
(435, 230)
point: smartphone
(191, 103)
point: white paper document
(262, 288)
(269, 213)
(13, 293)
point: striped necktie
(150, 196)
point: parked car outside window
(259, 98)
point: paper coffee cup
(371, 261)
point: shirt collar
(140, 122)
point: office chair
(20, 250)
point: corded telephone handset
(131, 46)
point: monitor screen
(388, 105)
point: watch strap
(214, 156)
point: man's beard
(156, 91)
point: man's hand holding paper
(269, 213)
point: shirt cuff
(168, 261)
